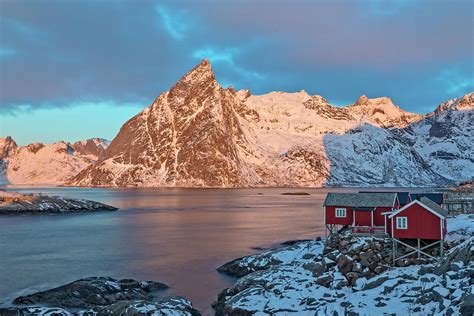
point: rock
(352, 277)
(380, 269)
(402, 262)
(467, 306)
(376, 246)
(92, 292)
(345, 264)
(462, 253)
(329, 263)
(317, 268)
(173, 306)
(324, 280)
(34, 310)
(343, 245)
(375, 283)
(366, 257)
(36, 205)
(333, 255)
(357, 267)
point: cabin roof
(367, 199)
(402, 196)
(435, 197)
(434, 206)
(427, 204)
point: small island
(12, 203)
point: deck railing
(367, 230)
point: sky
(71, 70)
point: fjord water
(175, 236)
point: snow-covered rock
(101, 296)
(39, 163)
(17, 204)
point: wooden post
(419, 247)
(394, 251)
(441, 248)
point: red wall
(363, 218)
(378, 217)
(332, 219)
(421, 224)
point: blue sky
(71, 70)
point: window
(340, 212)
(402, 223)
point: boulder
(316, 268)
(344, 264)
(92, 292)
(325, 280)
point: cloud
(227, 56)
(176, 22)
(388, 7)
(7, 52)
(457, 80)
(126, 51)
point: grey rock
(92, 292)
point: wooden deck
(368, 231)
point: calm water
(175, 236)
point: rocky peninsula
(12, 203)
(95, 296)
(347, 275)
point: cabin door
(363, 218)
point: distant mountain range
(199, 134)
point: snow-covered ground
(286, 281)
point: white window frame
(341, 212)
(402, 222)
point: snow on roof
(372, 199)
(433, 206)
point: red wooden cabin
(363, 211)
(420, 219)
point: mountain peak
(364, 100)
(197, 79)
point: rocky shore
(96, 296)
(349, 275)
(19, 204)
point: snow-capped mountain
(39, 163)
(200, 134)
(445, 138)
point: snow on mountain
(383, 112)
(444, 138)
(369, 155)
(38, 163)
(189, 136)
(199, 134)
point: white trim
(441, 228)
(391, 223)
(412, 203)
(324, 208)
(399, 223)
(385, 222)
(372, 216)
(396, 198)
(342, 212)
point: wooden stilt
(419, 247)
